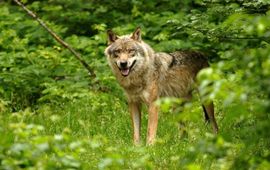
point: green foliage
(53, 116)
(30, 149)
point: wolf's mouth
(125, 71)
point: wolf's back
(192, 59)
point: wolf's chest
(165, 88)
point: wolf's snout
(123, 64)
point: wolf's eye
(116, 53)
(131, 51)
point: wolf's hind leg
(183, 132)
(210, 115)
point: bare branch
(58, 39)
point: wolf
(146, 76)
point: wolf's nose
(123, 64)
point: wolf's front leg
(152, 123)
(135, 113)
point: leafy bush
(29, 148)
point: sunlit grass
(108, 123)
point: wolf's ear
(112, 37)
(136, 35)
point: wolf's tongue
(125, 72)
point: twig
(58, 39)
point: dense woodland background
(54, 116)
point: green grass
(102, 120)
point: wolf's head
(127, 54)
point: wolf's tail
(205, 114)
